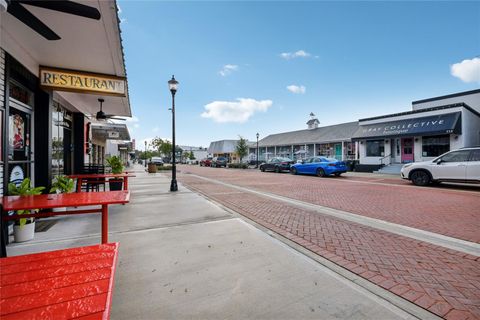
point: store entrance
(20, 154)
(407, 150)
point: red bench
(65, 284)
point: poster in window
(17, 132)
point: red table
(64, 284)
(48, 201)
(92, 176)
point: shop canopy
(85, 45)
(437, 124)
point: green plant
(116, 164)
(62, 184)
(241, 148)
(24, 189)
(238, 165)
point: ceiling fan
(101, 116)
(16, 8)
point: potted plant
(117, 167)
(62, 184)
(24, 228)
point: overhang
(110, 131)
(85, 45)
(436, 124)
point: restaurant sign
(79, 81)
(438, 124)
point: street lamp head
(258, 135)
(173, 85)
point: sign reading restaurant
(79, 81)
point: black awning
(438, 124)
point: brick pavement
(444, 211)
(443, 281)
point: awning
(110, 131)
(437, 124)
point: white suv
(462, 165)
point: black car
(219, 162)
(277, 164)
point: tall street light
(256, 165)
(145, 153)
(173, 84)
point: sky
(246, 67)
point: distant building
(198, 152)
(225, 148)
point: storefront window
(435, 146)
(61, 140)
(375, 148)
(20, 93)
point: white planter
(24, 233)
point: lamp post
(256, 162)
(172, 85)
(145, 153)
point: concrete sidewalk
(183, 257)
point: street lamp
(145, 153)
(256, 165)
(172, 85)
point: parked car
(206, 162)
(157, 161)
(277, 164)
(462, 165)
(191, 161)
(219, 162)
(320, 166)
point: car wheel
(277, 170)
(420, 178)
(320, 172)
(293, 171)
(337, 174)
(262, 169)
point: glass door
(407, 150)
(20, 161)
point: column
(343, 150)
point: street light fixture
(145, 153)
(173, 85)
(256, 163)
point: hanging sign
(113, 134)
(79, 81)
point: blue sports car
(320, 166)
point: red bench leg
(104, 223)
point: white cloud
(156, 129)
(296, 89)
(235, 111)
(293, 55)
(467, 70)
(228, 69)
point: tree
(242, 148)
(164, 147)
(191, 156)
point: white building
(434, 126)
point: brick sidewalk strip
(443, 281)
(448, 212)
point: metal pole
(173, 184)
(256, 162)
(145, 153)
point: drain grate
(44, 225)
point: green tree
(164, 147)
(242, 148)
(191, 156)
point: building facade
(50, 86)
(433, 127)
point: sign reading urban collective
(78, 81)
(443, 123)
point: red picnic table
(65, 284)
(91, 177)
(49, 201)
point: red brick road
(441, 210)
(443, 281)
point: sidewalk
(183, 257)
